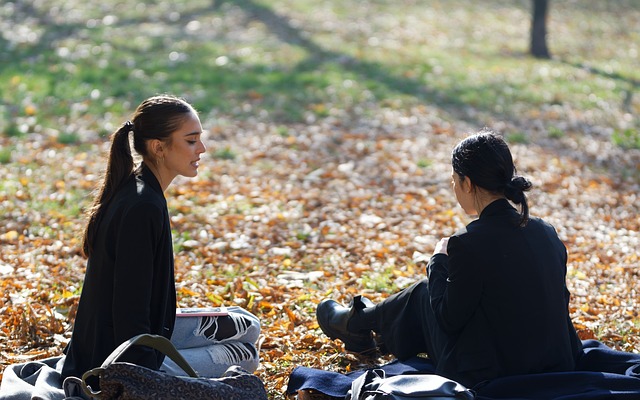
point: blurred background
(69, 67)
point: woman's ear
(156, 147)
(467, 185)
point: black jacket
(500, 296)
(129, 285)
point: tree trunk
(539, 47)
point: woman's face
(464, 193)
(184, 149)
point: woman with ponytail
(495, 302)
(129, 286)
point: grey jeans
(194, 337)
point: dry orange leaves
(323, 211)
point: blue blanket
(602, 373)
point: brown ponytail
(119, 168)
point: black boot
(333, 319)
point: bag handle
(157, 342)
(160, 343)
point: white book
(202, 312)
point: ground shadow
(453, 106)
(282, 28)
(450, 105)
(632, 84)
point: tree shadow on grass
(448, 104)
(286, 92)
(281, 27)
(632, 84)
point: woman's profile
(129, 286)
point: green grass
(517, 137)
(555, 132)
(69, 138)
(380, 281)
(290, 60)
(424, 163)
(628, 138)
(5, 154)
(225, 153)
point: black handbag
(374, 385)
(126, 381)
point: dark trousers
(408, 325)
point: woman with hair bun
(129, 286)
(495, 302)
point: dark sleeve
(576, 343)
(137, 244)
(455, 286)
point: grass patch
(380, 281)
(627, 139)
(68, 138)
(278, 60)
(517, 137)
(13, 130)
(555, 133)
(424, 163)
(5, 154)
(225, 153)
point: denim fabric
(212, 361)
(195, 338)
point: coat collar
(148, 177)
(497, 207)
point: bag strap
(160, 343)
(156, 342)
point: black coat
(501, 299)
(129, 285)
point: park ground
(329, 127)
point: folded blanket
(601, 373)
(38, 380)
(337, 385)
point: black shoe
(334, 317)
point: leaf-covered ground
(315, 211)
(339, 200)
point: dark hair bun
(514, 190)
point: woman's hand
(441, 247)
